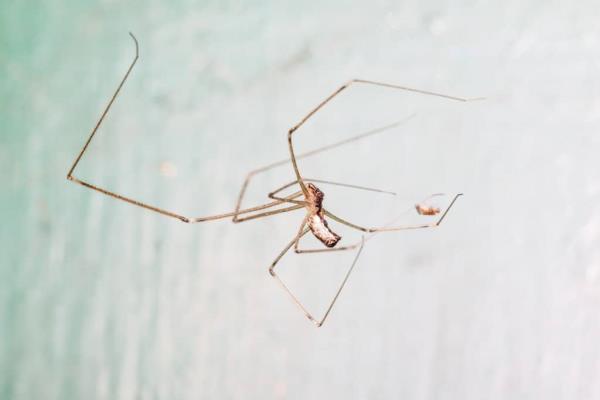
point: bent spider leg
(314, 152)
(301, 232)
(73, 178)
(393, 228)
(300, 204)
(298, 250)
(289, 198)
(338, 91)
(370, 231)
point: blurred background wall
(102, 300)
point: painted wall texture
(103, 300)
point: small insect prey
(423, 209)
(307, 196)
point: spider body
(316, 220)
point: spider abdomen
(316, 222)
(319, 228)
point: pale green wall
(99, 300)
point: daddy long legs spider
(308, 197)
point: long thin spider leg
(107, 108)
(337, 294)
(393, 228)
(351, 186)
(294, 243)
(352, 246)
(301, 232)
(301, 204)
(175, 215)
(366, 238)
(373, 231)
(235, 214)
(297, 250)
(73, 178)
(420, 91)
(273, 212)
(269, 213)
(338, 91)
(230, 214)
(314, 152)
(273, 196)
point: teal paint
(99, 300)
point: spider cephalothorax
(316, 221)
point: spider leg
(294, 243)
(301, 232)
(388, 228)
(238, 210)
(340, 90)
(300, 204)
(311, 153)
(168, 213)
(356, 244)
(273, 196)
(273, 212)
(297, 250)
